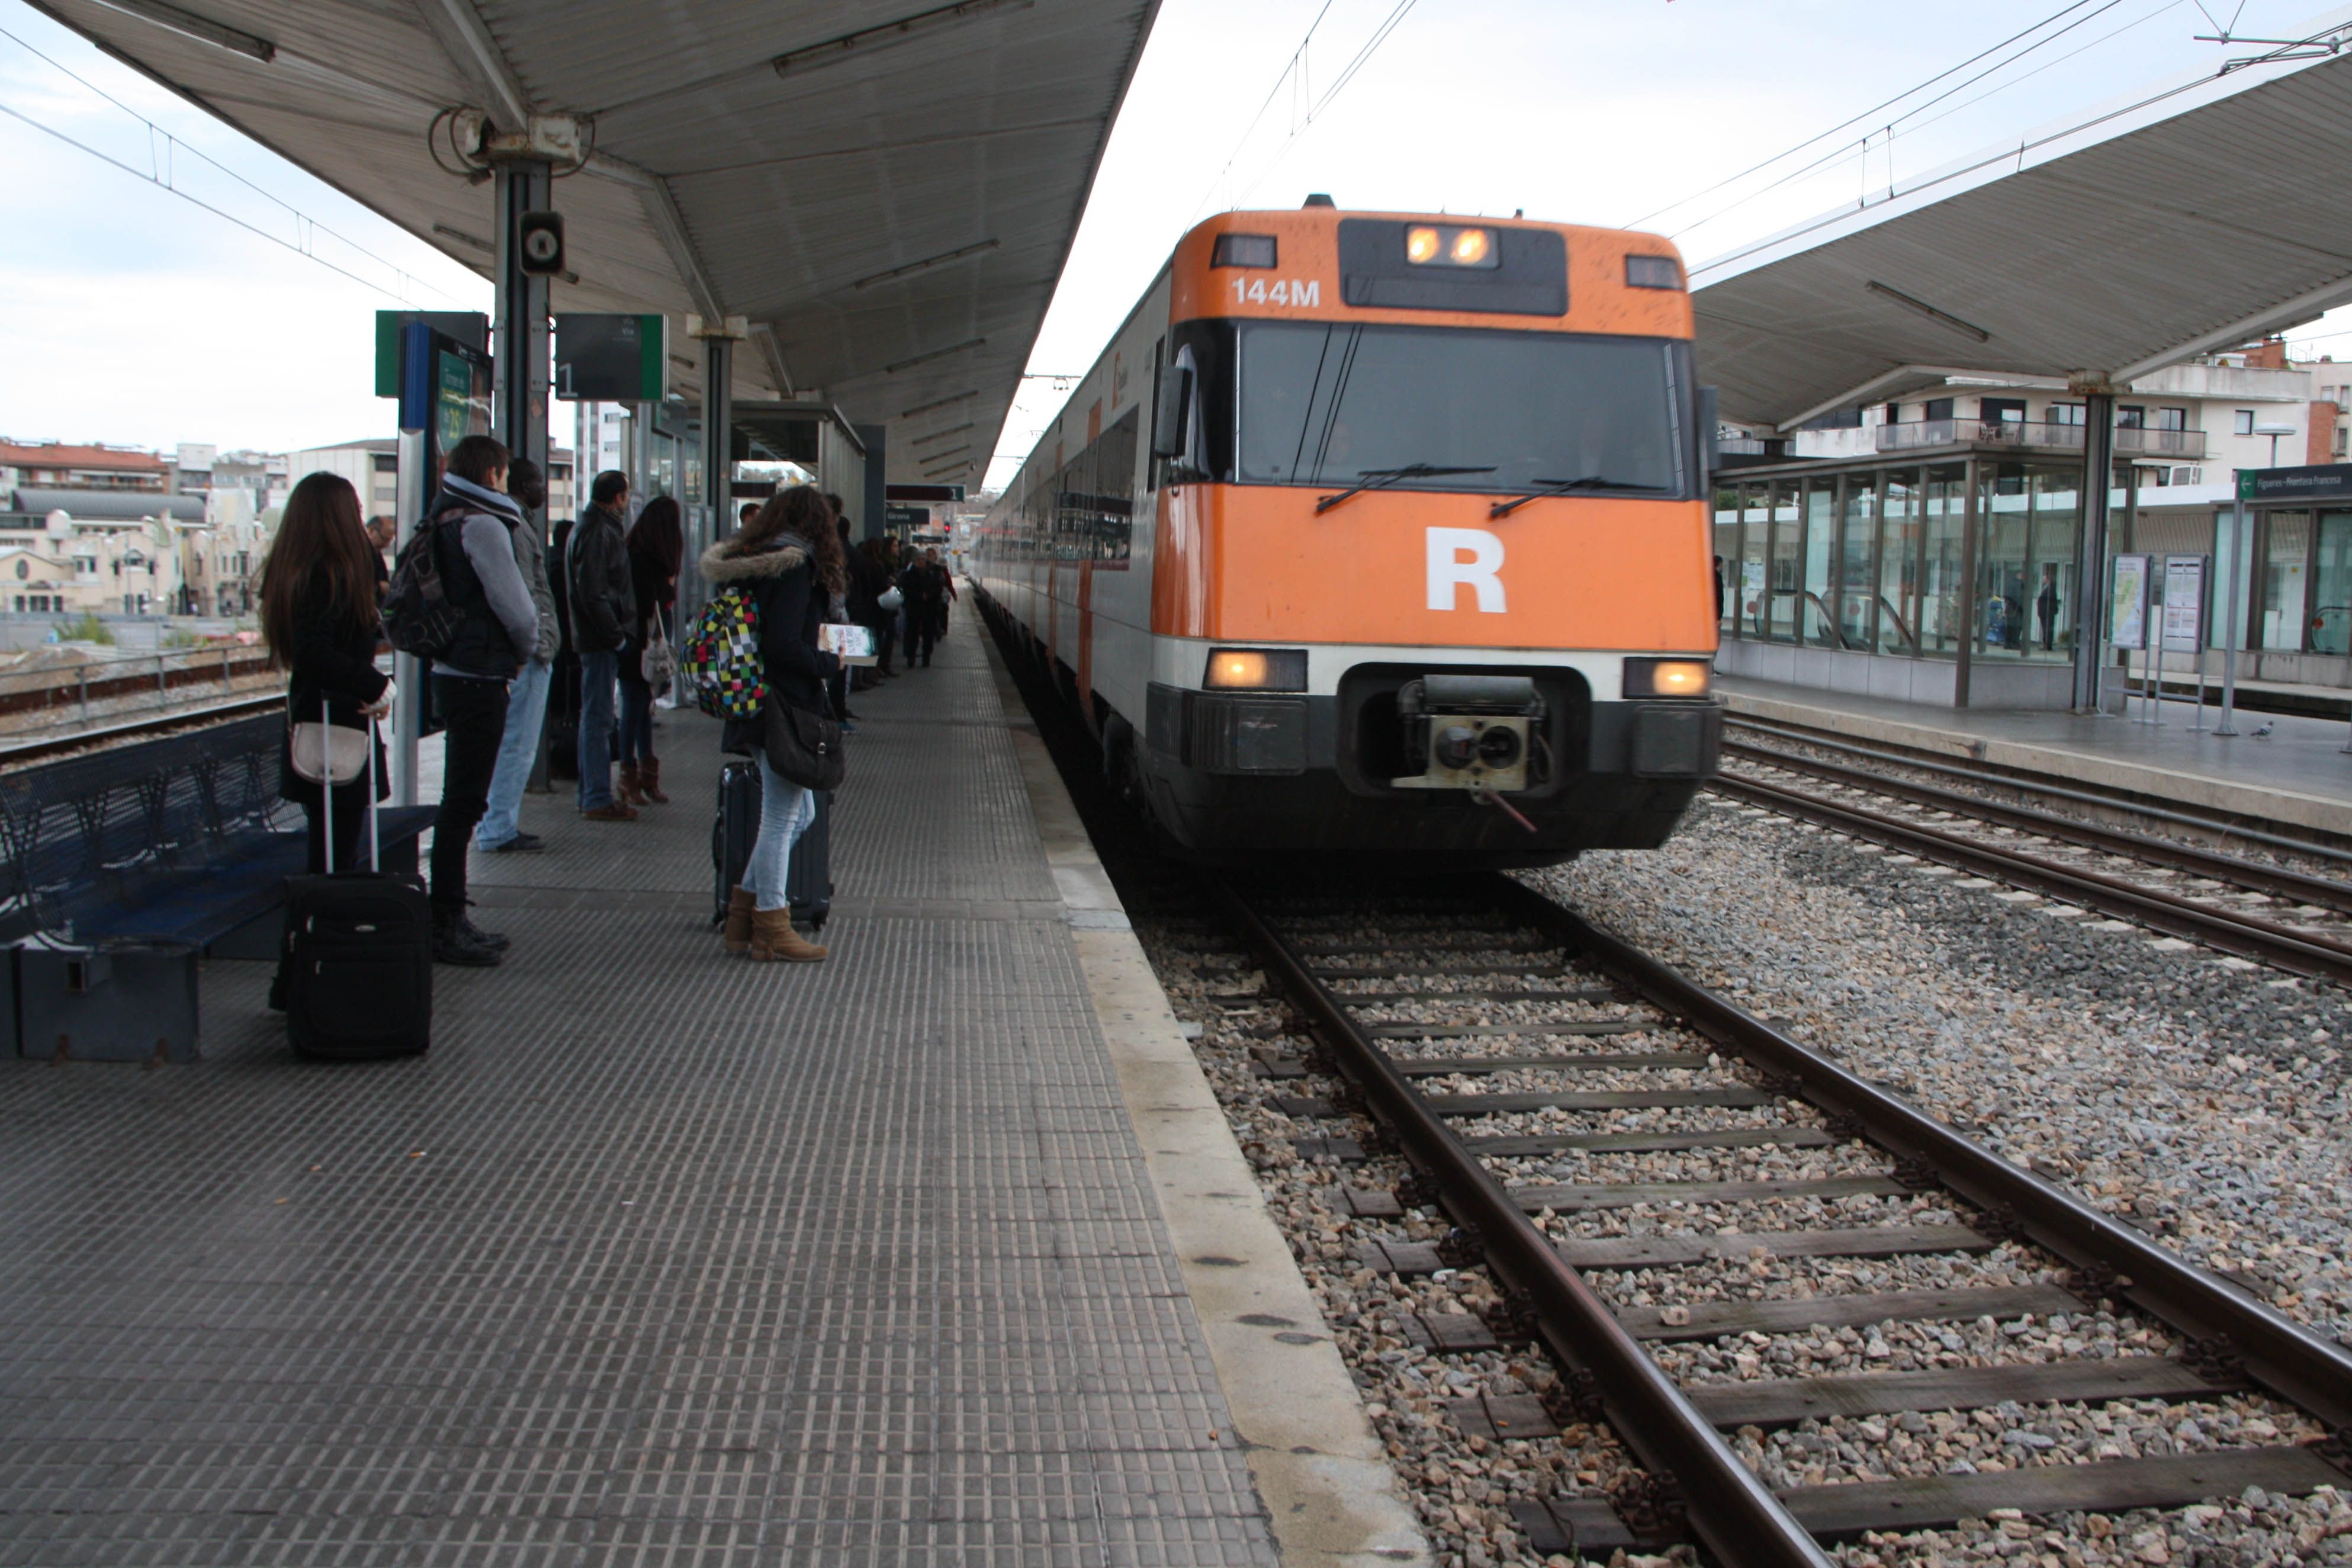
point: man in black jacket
(472, 523)
(602, 605)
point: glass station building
(1939, 567)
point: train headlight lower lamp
(1257, 669)
(1667, 678)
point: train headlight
(1450, 244)
(1666, 678)
(1257, 669)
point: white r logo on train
(1465, 557)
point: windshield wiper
(1561, 487)
(1381, 478)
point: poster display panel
(2185, 578)
(2127, 602)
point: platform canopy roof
(2198, 215)
(886, 188)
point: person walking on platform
(596, 572)
(501, 829)
(474, 523)
(838, 608)
(926, 588)
(657, 548)
(787, 560)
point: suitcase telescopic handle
(326, 791)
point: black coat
(654, 595)
(596, 572)
(334, 659)
(781, 581)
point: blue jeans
(597, 673)
(785, 812)
(636, 721)
(518, 750)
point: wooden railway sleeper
(1741, 1521)
(2279, 1354)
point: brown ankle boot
(773, 940)
(629, 793)
(649, 781)
(737, 936)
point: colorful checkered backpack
(718, 661)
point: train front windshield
(1331, 403)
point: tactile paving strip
(659, 1257)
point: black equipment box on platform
(113, 1002)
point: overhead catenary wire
(163, 148)
(2017, 153)
(1347, 74)
(1843, 152)
(1294, 74)
(1866, 116)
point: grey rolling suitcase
(809, 882)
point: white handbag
(328, 754)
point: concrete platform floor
(660, 1257)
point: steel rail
(1984, 773)
(1728, 1507)
(187, 717)
(2249, 936)
(2282, 1355)
(2248, 874)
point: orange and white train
(1384, 535)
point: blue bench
(120, 868)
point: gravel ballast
(2201, 1098)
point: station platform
(665, 1256)
(2295, 773)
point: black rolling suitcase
(359, 948)
(809, 882)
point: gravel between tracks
(2202, 1100)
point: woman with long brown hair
(320, 619)
(786, 560)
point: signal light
(1444, 244)
(1257, 669)
(1667, 678)
(1653, 272)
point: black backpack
(418, 617)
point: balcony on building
(2033, 436)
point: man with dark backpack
(492, 628)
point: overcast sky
(131, 315)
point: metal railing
(45, 696)
(2135, 441)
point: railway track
(1496, 1044)
(43, 748)
(2264, 910)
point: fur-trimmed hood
(726, 562)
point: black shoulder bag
(804, 748)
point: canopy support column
(718, 340)
(2091, 544)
